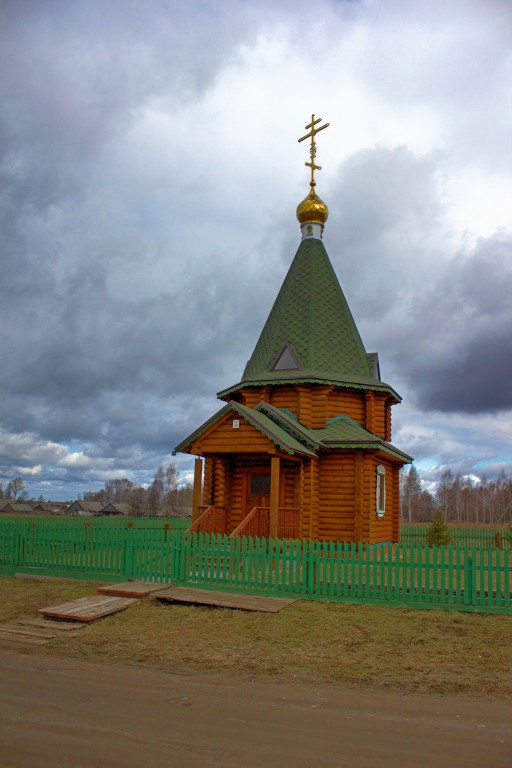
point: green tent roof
(310, 335)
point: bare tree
(16, 489)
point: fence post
(127, 571)
(178, 545)
(311, 567)
(469, 596)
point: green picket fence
(101, 552)
(460, 537)
(463, 578)
(439, 577)
(113, 521)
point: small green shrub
(438, 533)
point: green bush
(438, 532)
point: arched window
(381, 490)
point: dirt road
(58, 712)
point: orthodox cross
(312, 150)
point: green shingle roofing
(312, 317)
(340, 432)
(272, 430)
(283, 429)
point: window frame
(380, 491)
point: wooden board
(223, 599)
(89, 608)
(58, 625)
(11, 639)
(14, 629)
(35, 632)
(131, 589)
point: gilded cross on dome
(311, 135)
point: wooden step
(89, 608)
(56, 624)
(12, 639)
(223, 599)
(131, 589)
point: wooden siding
(336, 508)
(377, 416)
(284, 397)
(348, 402)
(223, 438)
(309, 496)
(208, 481)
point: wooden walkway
(223, 599)
(138, 589)
(34, 632)
(88, 608)
(112, 598)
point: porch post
(274, 496)
(198, 490)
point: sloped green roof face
(312, 323)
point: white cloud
(29, 470)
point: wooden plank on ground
(89, 608)
(58, 625)
(28, 631)
(130, 589)
(13, 639)
(223, 599)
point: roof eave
(376, 386)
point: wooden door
(258, 489)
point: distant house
(85, 508)
(182, 512)
(117, 509)
(17, 508)
(51, 507)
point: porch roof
(283, 429)
(340, 432)
(275, 432)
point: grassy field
(398, 648)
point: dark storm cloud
(438, 311)
(469, 319)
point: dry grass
(410, 650)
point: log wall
(224, 438)
(336, 507)
(315, 404)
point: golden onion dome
(312, 210)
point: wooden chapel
(302, 447)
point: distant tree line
(160, 499)
(457, 498)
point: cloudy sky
(150, 175)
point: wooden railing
(257, 523)
(287, 523)
(254, 524)
(211, 520)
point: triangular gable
(229, 426)
(286, 360)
